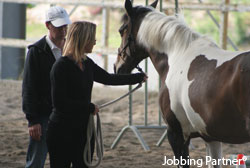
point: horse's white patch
(204, 46)
(178, 85)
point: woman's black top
(72, 87)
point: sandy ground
(128, 153)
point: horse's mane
(166, 34)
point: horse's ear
(129, 7)
(154, 4)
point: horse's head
(130, 53)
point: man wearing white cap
(36, 89)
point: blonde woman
(72, 78)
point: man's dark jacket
(36, 88)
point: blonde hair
(80, 34)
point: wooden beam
(224, 26)
(105, 34)
(19, 43)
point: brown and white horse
(205, 90)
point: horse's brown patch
(221, 96)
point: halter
(128, 44)
(130, 39)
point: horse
(205, 90)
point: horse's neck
(167, 35)
(160, 62)
(178, 44)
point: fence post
(13, 25)
(105, 33)
(224, 24)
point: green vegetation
(238, 26)
(241, 31)
(114, 37)
(35, 30)
(202, 24)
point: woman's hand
(96, 110)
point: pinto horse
(205, 90)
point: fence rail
(19, 43)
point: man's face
(57, 33)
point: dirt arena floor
(128, 153)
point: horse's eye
(122, 29)
(121, 32)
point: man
(36, 89)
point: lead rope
(97, 132)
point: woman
(72, 78)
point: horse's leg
(174, 131)
(178, 144)
(214, 150)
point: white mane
(166, 34)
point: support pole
(73, 10)
(176, 7)
(224, 25)
(13, 25)
(146, 89)
(1, 35)
(164, 135)
(105, 33)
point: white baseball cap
(57, 16)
